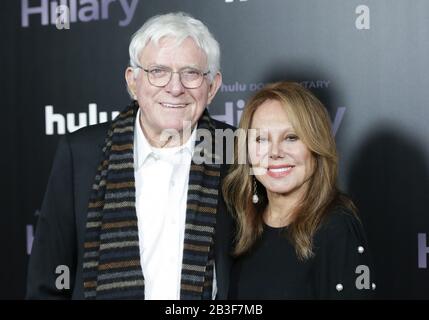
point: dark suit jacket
(60, 229)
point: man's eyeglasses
(160, 76)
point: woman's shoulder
(340, 223)
(342, 257)
(339, 217)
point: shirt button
(339, 287)
(361, 249)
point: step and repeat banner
(366, 60)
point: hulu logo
(69, 120)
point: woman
(298, 236)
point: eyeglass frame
(203, 74)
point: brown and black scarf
(111, 266)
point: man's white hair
(179, 26)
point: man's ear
(131, 81)
(214, 87)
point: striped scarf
(111, 264)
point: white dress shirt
(161, 180)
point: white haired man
(127, 209)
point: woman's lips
(279, 171)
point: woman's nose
(276, 151)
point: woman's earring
(255, 198)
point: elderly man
(127, 210)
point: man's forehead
(172, 48)
(172, 42)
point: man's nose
(175, 86)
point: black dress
(340, 269)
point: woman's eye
(291, 137)
(261, 139)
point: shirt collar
(143, 150)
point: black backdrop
(366, 60)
